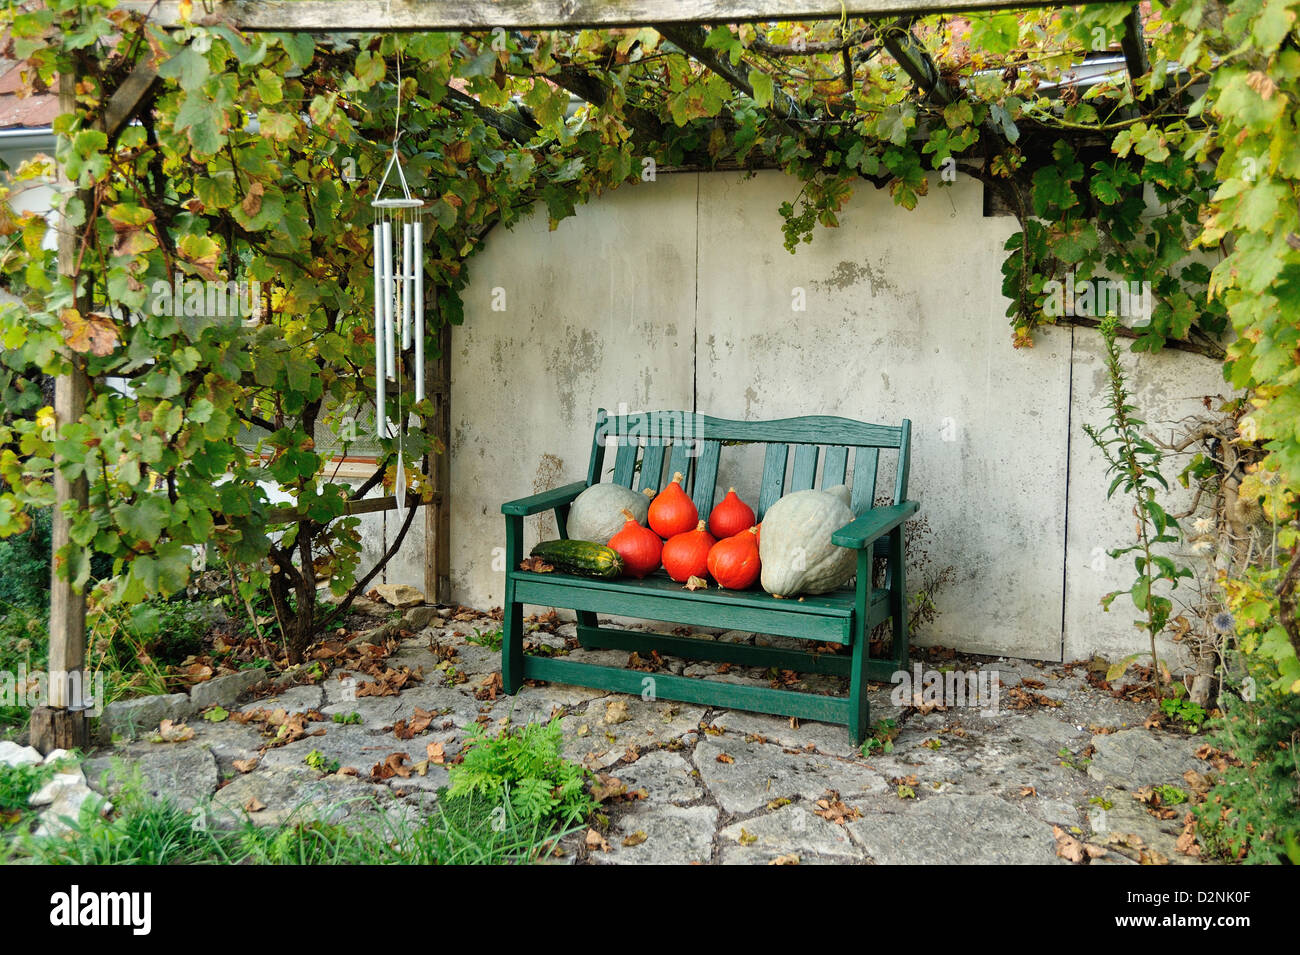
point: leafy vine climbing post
(1135, 463)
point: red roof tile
(22, 110)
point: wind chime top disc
(397, 203)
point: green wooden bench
(692, 444)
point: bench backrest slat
(680, 462)
(865, 461)
(773, 477)
(625, 464)
(693, 445)
(652, 467)
(805, 467)
(706, 477)
(835, 466)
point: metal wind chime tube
(419, 312)
(381, 418)
(399, 302)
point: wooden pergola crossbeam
(580, 83)
(1134, 45)
(509, 124)
(127, 99)
(336, 16)
(690, 39)
(901, 43)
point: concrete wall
(679, 294)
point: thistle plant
(1134, 462)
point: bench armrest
(546, 501)
(874, 524)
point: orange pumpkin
(639, 547)
(731, 516)
(734, 562)
(687, 555)
(672, 512)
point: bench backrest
(653, 445)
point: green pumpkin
(795, 546)
(597, 513)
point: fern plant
(524, 768)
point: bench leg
(898, 599)
(586, 624)
(859, 707)
(512, 624)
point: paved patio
(1056, 773)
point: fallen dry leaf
(392, 765)
(436, 754)
(254, 805)
(1072, 850)
(596, 841)
(246, 765)
(616, 712)
(1186, 844)
(635, 839)
(607, 787)
(418, 723)
(172, 732)
(833, 809)
(724, 758)
(489, 687)
(696, 583)
(789, 858)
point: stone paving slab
(352, 747)
(791, 830)
(759, 773)
(1143, 757)
(1119, 816)
(674, 835)
(185, 773)
(286, 794)
(954, 830)
(667, 778)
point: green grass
(17, 783)
(491, 639)
(147, 831)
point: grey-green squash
(795, 546)
(597, 513)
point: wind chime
(399, 297)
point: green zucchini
(585, 558)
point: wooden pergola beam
(580, 83)
(510, 125)
(901, 43)
(1134, 45)
(337, 16)
(289, 513)
(127, 99)
(690, 39)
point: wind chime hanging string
(399, 297)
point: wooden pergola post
(437, 516)
(61, 722)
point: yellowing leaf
(95, 333)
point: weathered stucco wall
(679, 294)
